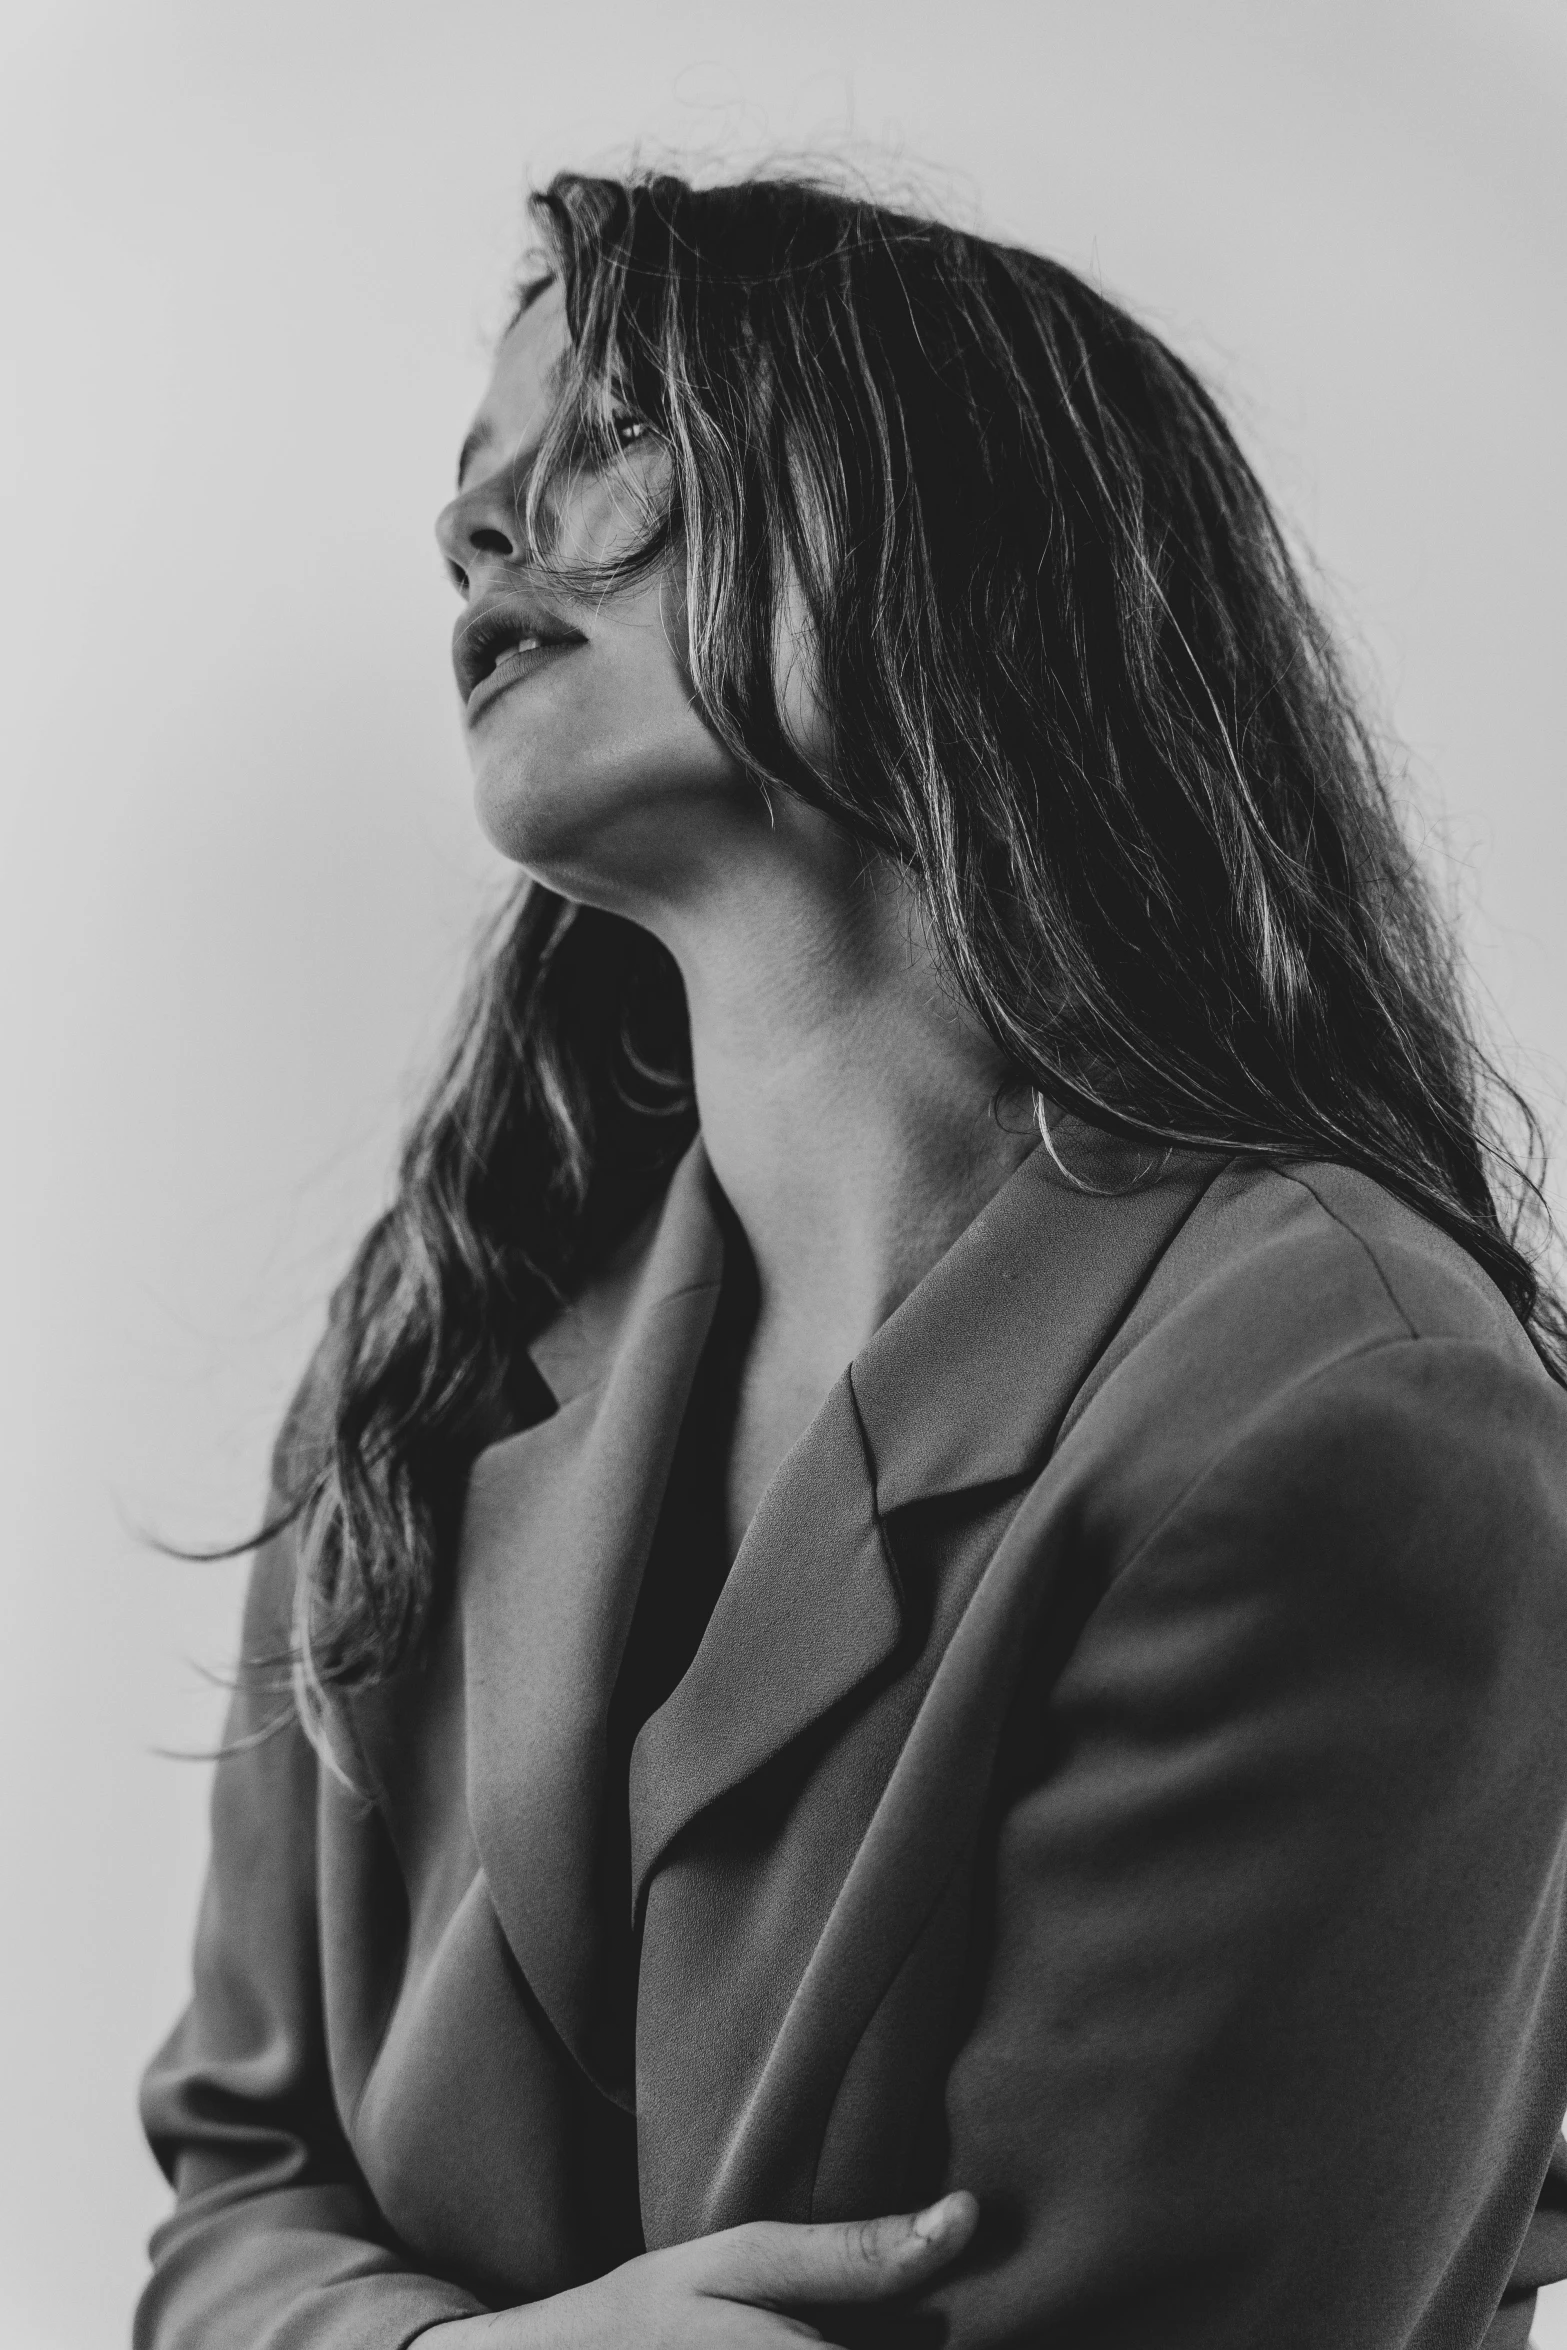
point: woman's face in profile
(592, 765)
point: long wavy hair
(1076, 689)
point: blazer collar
(948, 1386)
(969, 1381)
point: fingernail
(934, 2220)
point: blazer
(1124, 1774)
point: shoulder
(1335, 1258)
(1313, 1357)
(1396, 1264)
(1276, 1276)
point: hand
(729, 2291)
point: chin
(545, 827)
(578, 837)
(518, 813)
(617, 817)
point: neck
(845, 1096)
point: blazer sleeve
(1269, 2041)
(274, 2242)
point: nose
(482, 524)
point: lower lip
(511, 669)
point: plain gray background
(252, 257)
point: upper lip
(490, 627)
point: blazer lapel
(556, 1533)
(810, 1608)
(964, 1385)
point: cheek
(604, 515)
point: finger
(770, 2261)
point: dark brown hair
(1076, 688)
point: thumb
(770, 2262)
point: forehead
(521, 390)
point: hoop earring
(1094, 1190)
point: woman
(925, 1564)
